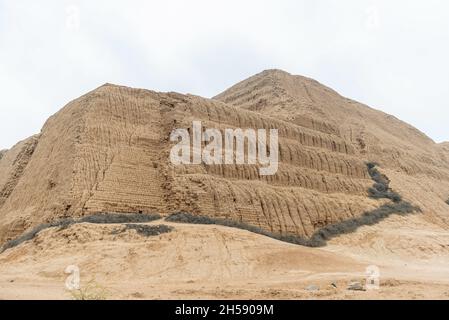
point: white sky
(391, 55)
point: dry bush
(185, 217)
(145, 230)
(380, 190)
(92, 291)
(115, 218)
(100, 218)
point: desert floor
(214, 262)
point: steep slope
(310, 104)
(108, 151)
(419, 166)
(444, 146)
(96, 154)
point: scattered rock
(356, 286)
(137, 295)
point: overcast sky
(391, 55)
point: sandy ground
(213, 262)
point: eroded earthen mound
(108, 151)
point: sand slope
(214, 262)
